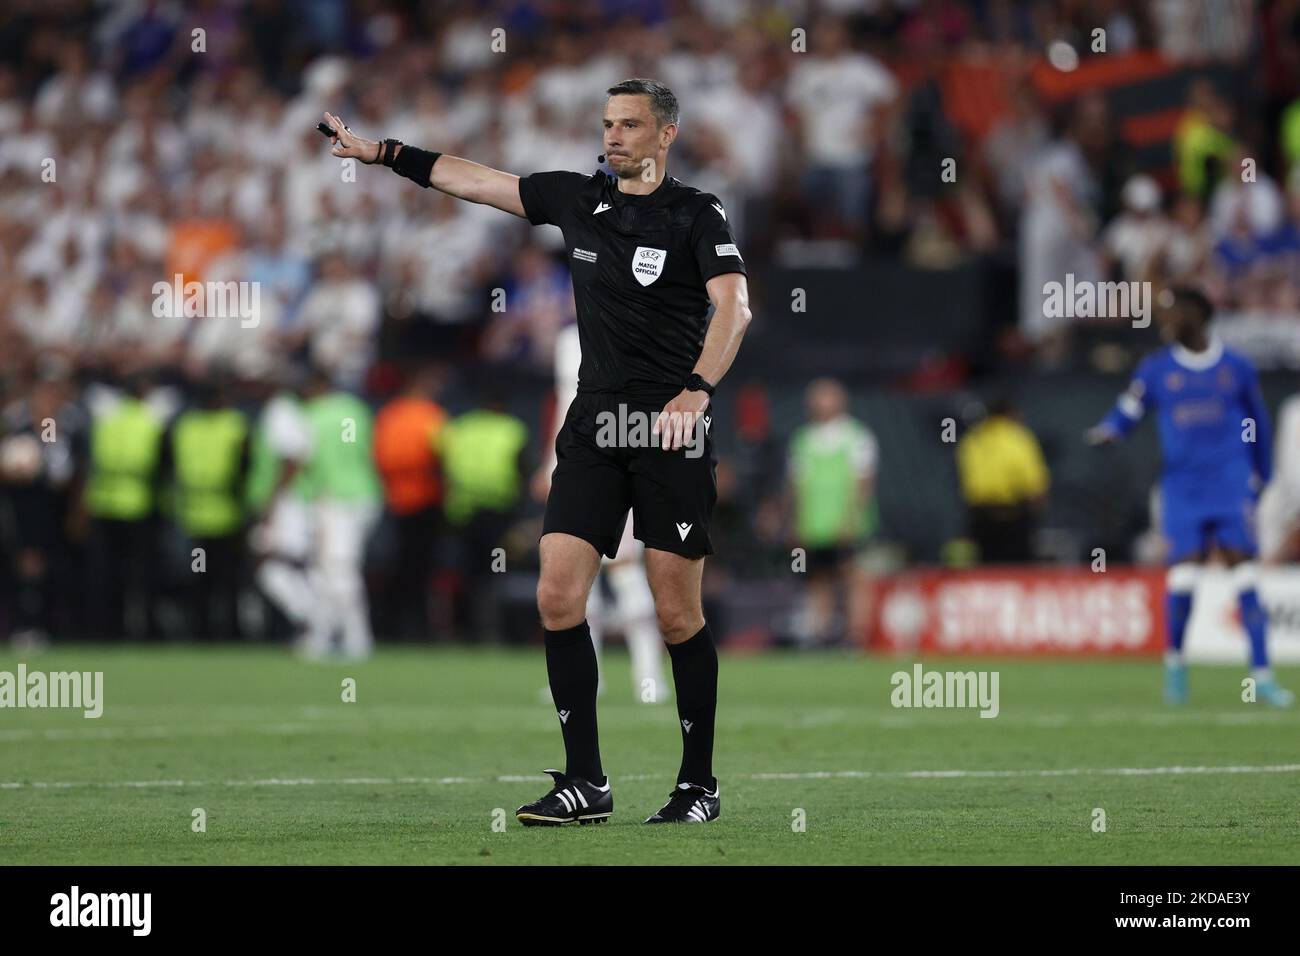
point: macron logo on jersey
(721, 211)
(601, 207)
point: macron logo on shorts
(684, 529)
(564, 716)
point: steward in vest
(483, 464)
(408, 431)
(209, 445)
(121, 499)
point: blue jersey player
(1214, 434)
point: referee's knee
(561, 605)
(678, 622)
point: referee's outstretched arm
(451, 174)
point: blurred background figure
(484, 460)
(1279, 505)
(840, 98)
(1134, 239)
(1004, 482)
(279, 497)
(832, 474)
(408, 432)
(209, 459)
(41, 469)
(340, 481)
(1059, 223)
(125, 473)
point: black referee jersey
(639, 267)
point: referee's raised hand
(348, 144)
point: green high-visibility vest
(124, 452)
(207, 446)
(480, 460)
(825, 481)
(342, 463)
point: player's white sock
(636, 608)
(1261, 674)
(287, 588)
(1173, 658)
(596, 624)
(318, 640)
(347, 593)
(296, 594)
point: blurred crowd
(146, 140)
(153, 144)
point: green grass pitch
(440, 743)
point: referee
(648, 256)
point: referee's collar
(637, 199)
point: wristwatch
(697, 384)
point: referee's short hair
(662, 102)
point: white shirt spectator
(91, 96)
(286, 430)
(753, 157)
(1261, 202)
(835, 97)
(342, 318)
(1056, 232)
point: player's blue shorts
(1193, 528)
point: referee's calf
(648, 256)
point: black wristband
(415, 164)
(386, 150)
(697, 384)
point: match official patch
(727, 249)
(648, 264)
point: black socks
(695, 675)
(572, 672)
(571, 669)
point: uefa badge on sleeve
(648, 263)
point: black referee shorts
(603, 469)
